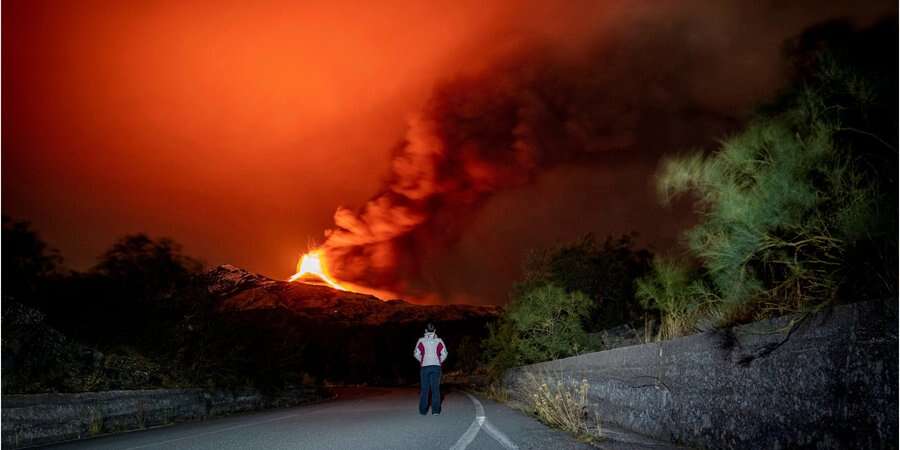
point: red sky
(234, 127)
(237, 128)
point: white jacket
(430, 350)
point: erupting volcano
(311, 270)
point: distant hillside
(293, 329)
(232, 328)
(240, 290)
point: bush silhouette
(603, 271)
(540, 324)
(798, 210)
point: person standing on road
(431, 352)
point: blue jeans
(430, 379)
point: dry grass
(96, 424)
(496, 392)
(675, 325)
(562, 405)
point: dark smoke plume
(665, 82)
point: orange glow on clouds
(201, 120)
(237, 128)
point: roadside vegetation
(603, 271)
(543, 323)
(568, 292)
(143, 318)
(563, 404)
(140, 318)
(796, 212)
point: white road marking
(499, 436)
(473, 429)
(463, 442)
(479, 422)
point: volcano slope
(296, 331)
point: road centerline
(477, 424)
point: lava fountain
(311, 269)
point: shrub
(539, 325)
(671, 289)
(603, 271)
(29, 263)
(469, 351)
(151, 271)
(562, 405)
(139, 290)
(783, 205)
(500, 347)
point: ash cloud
(667, 79)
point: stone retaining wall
(40, 419)
(830, 382)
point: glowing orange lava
(311, 269)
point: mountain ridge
(239, 290)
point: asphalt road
(363, 418)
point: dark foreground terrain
(333, 335)
(224, 328)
